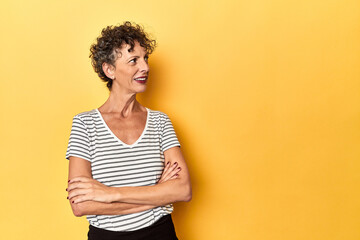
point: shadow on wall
(156, 84)
(152, 98)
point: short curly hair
(107, 45)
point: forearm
(171, 191)
(100, 208)
(84, 188)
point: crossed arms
(90, 197)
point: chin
(141, 90)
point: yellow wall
(264, 96)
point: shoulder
(86, 116)
(158, 116)
(157, 113)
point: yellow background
(264, 97)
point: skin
(126, 118)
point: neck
(124, 104)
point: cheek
(126, 73)
(123, 73)
(130, 72)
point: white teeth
(141, 79)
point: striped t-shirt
(117, 164)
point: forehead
(137, 50)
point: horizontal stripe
(117, 165)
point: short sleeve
(79, 143)
(168, 136)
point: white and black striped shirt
(118, 164)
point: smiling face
(131, 69)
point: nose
(144, 66)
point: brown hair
(106, 47)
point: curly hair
(108, 44)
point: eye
(146, 58)
(133, 60)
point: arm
(79, 167)
(173, 190)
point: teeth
(141, 79)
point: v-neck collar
(118, 139)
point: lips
(141, 79)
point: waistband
(161, 226)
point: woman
(125, 163)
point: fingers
(167, 166)
(166, 170)
(83, 189)
(170, 172)
(75, 185)
(80, 195)
(77, 192)
(175, 176)
(78, 188)
(80, 179)
(80, 198)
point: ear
(109, 70)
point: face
(131, 69)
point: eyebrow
(132, 57)
(146, 55)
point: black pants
(163, 229)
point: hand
(169, 172)
(84, 189)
